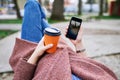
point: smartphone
(73, 28)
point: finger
(80, 33)
(65, 31)
(48, 46)
(81, 30)
(66, 27)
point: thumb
(48, 46)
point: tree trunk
(106, 6)
(101, 8)
(80, 7)
(58, 10)
(91, 2)
(40, 2)
(2, 2)
(116, 8)
(17, 9)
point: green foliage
(19, 21)
(106, 17)
(11, 21)
(55, 21)
(4, 33)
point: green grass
(106, 17)
(11, 21)
(19, 21)
(73, 15)
(4, 33)
(67, 17)
(55, 21)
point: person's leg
(33, 22)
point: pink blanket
(58, 66)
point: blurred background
(15, 8)
(101, 28)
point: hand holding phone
(74, 27)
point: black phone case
(70, 34)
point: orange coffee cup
(51, 36)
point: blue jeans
(34, 24)
(34, 21)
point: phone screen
(73, 28)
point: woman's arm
(38, 52)
(25, 68)
(80, 49)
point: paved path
(6, 16)
(101, 39)
(10, 26)
(6, 47)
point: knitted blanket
(57, 66)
